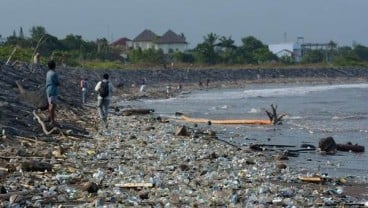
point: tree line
(73, 50)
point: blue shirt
(52, 81)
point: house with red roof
(122, 43)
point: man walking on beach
(104, 89)
(52, 83)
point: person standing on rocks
(104, 89)
(83, 86)
(36, 62)
(52, 83)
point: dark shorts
(52, 99)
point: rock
(143, 194)
(181, 131)
(90, 187)
(281, 165)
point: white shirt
(111, 89)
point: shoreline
(158, 91)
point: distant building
(145, 40)
(293, 50)
(122, 43)
(170, 41)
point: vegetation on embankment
(215, 52)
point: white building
(293, 50)
(145, 40)
(170, 41)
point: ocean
(313, 111)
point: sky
(270, 21)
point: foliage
(98, 64)
(146, 56)
(313, 56)
(361, 52)
(73, 50)
(181, 57)
(21, 54)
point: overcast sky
(271, 21)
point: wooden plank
(311, 179)
(134, 185)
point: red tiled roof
(121, 41)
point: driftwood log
(350, 147)
(129, 112)
(44, 128)
(273, 119)
(330, 146)
(36, 166)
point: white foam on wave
(298, 90)
(293, 117)
(254, 110)
(276, 91)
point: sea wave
(298, 90)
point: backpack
(104, 89)
(83, 84)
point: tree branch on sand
(274, 118)
(44, 129)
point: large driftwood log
(129, 112)
(350, 147)
(36, 166)
(44, 129)
(274, 118)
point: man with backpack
(104, 90)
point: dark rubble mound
(22, 92)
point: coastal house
(170, 41)
(122, 44)
(145, 40)
(293, 50)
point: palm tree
(226, 43)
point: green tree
(313, 56)
(72, 42)
(253, 51)
(149, 56)
(21, 35)
(205, 51)
(228, 49)
(346, 56)
(361, 52)
(37, 32)
(178, 56)
(263, 55)
(17, 41)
